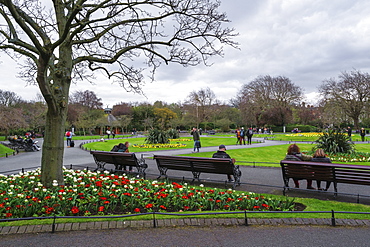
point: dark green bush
(156, 136)
(173, 134)
(334, 141)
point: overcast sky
(305, 40)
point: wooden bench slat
(336, 173)
(119, 159)
(197, 165)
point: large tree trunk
(55, 93)
(53, 147)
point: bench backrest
(341, 173)
(196, 164)
(353, 175)
(115, 157)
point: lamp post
(197, 118)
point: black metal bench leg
(162, 172)
(196, 176)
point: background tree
(124, 122)
(122, 109)
(34, 114)
(86, 98)
(351, 93)
(84, 109)
(163, 117)
(266, 93)
(200, 103)
(11, 119)
(8, 98)
(143, 116)
(113, 37)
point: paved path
(254, 179)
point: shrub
(334, 142)
(173, 134)
(156, 136)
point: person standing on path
(196, 138)
(242, 136)
(249, 135)
(362, 134)
(238, 138)
(349, 132)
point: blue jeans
(196, 145)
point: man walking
(249, 136)
(69, 138)
(196, 138)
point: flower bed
(178, 145)
(96, 193)
(168, 145)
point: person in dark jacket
(349, 132)
(294, 153)
(362, 134)
(196, 138)
(249, 134)
(221, 153)
(320, 156)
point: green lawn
(213, 141)
(5, 150)
(270, 156)
(302, 137)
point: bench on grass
(119, 160)
(197, 166)
(331, 172)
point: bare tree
(86, 98)
(8, 98)
(265, 93)
(201, 102)
(351, 93)
(114, 37)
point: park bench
(331, 172)
(119, 160)
(197, 166)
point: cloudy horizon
(307, 41)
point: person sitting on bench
(222, 154)
(294, 153)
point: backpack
(68, 134)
